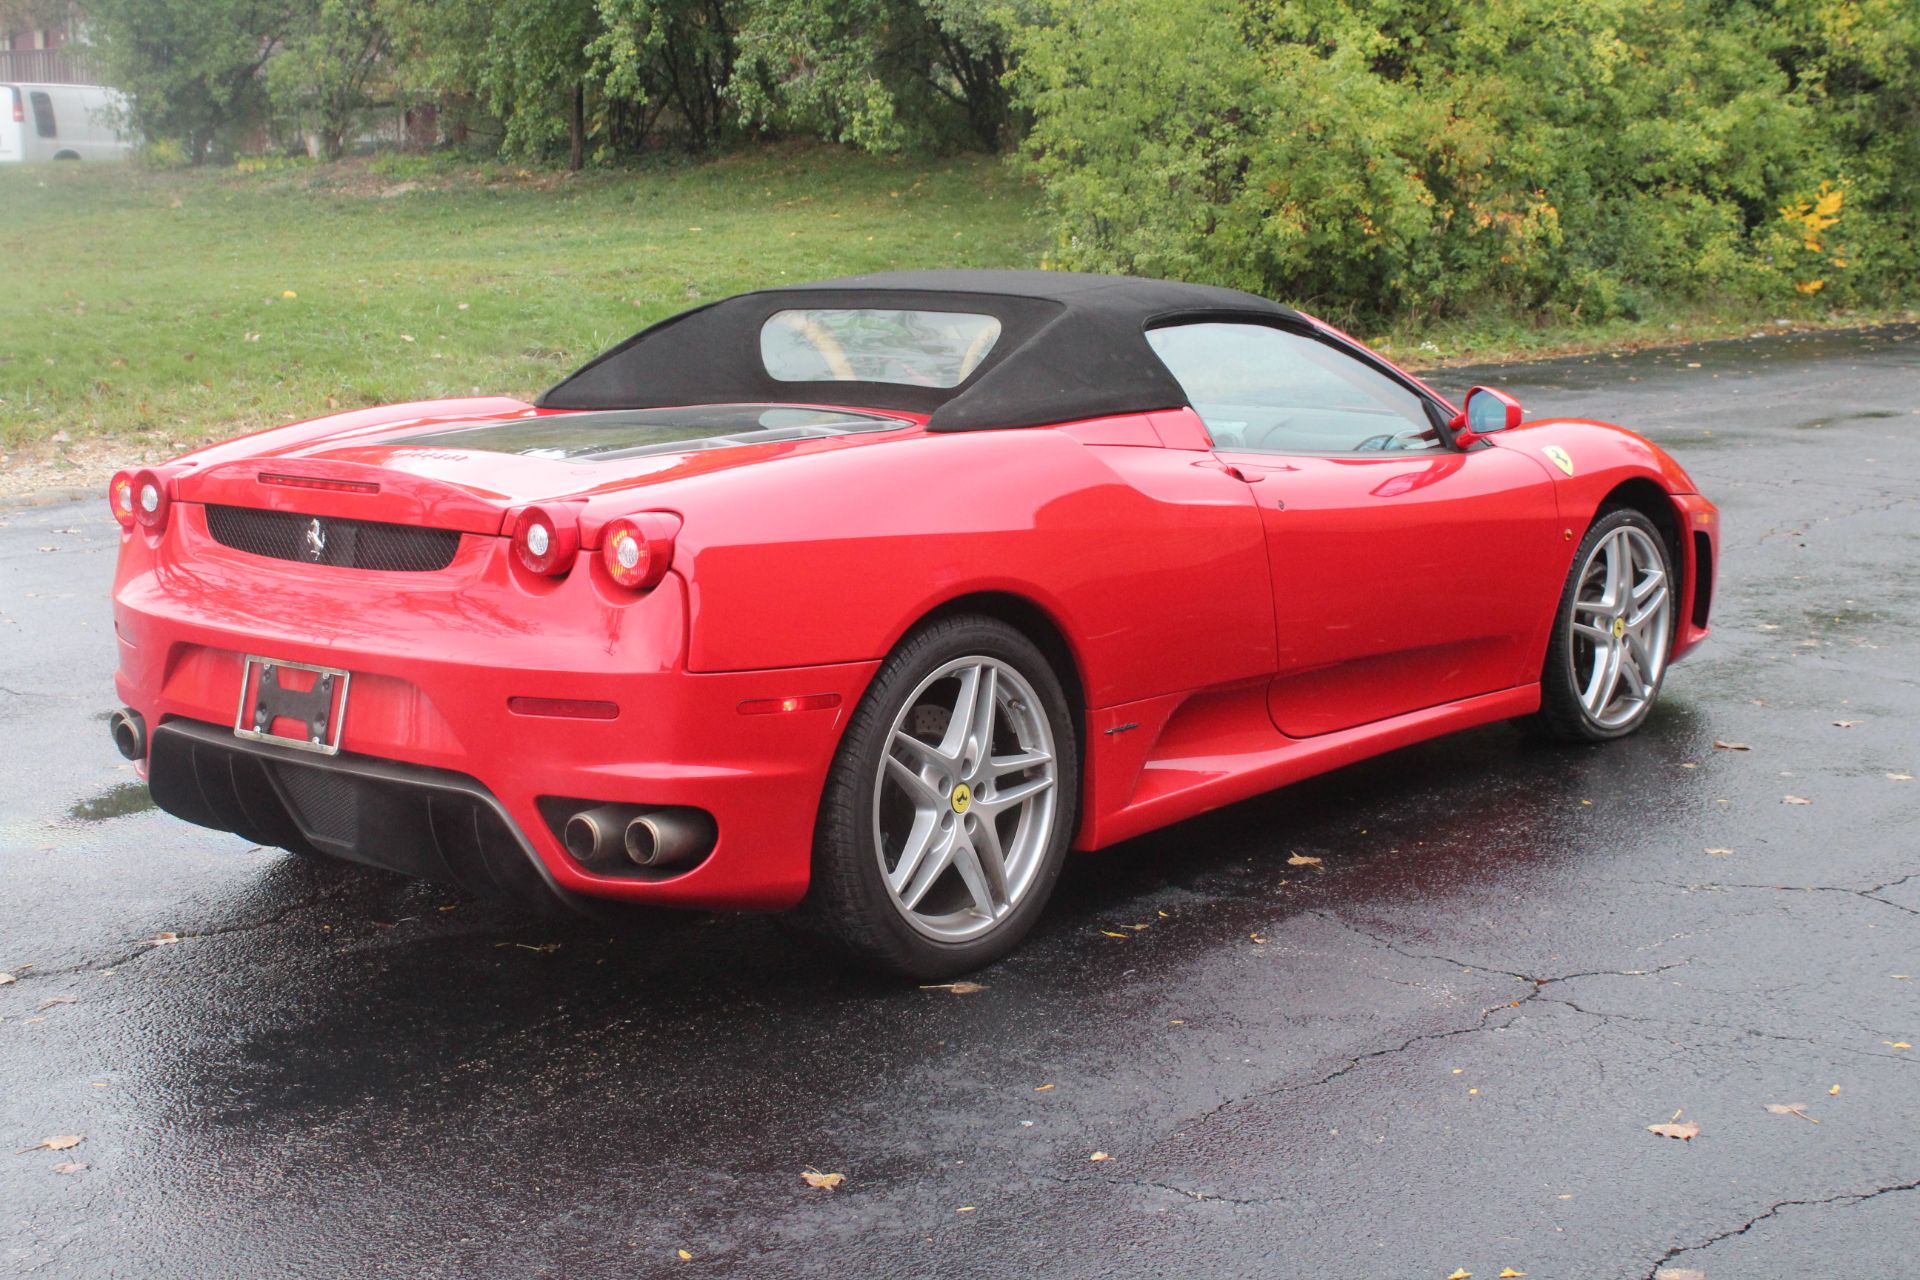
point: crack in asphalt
(1537, 981)
(148, 946)
(1605, 1016)
(1871, 893)
(1147, 1184)
(1848, 1198)
(1480, 1023)
(1537, 989)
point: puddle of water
(128, 797)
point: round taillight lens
(545, 541)
(150, 500)
(636, 550)
(120, 498)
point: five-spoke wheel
(1613, 633)
(964, 804)
(950, 805)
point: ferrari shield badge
(1559, 457)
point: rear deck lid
(467, 474)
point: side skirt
(1157, 762)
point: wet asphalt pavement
(1439, 1049)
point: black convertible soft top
(1071, 347)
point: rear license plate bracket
(266, 698)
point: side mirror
(1486, 411)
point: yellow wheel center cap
(1619, 627)
(962, 797)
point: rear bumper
(428, 741)
(431, 823)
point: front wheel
(949, 808)
(1612, 634)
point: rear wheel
(1612, 634)
(950, 805)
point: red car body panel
(1233, 621)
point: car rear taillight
(546, 540)
(150, 500)
(120, 498)
(19, 109)
(637, 549)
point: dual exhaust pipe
(129, 730)
(651, 838)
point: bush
(1389, 159)
(162, 154)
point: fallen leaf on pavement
(5, 978)
(59, 1142)
(965, 1208)
(1508, 1273)
(1098, 1156)
(1791, 1109)
(1686, 1131)
(1111, 934)
(1041, 1088)
(1461, 1274)
(1724, 745)
(54, 1000)
(821, 1181)
(1834, 1092)
(69, 1166)
(1302, 860)
(163, 939)
(1845, 724)
(1679, 1273)
(1896, 1044)
(1259, 939)
(1720, 853)
(1795, 800)
(683, 1255)
(1899, 777)
(962, 988)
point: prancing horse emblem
(316, 541)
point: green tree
(880, 74)
(672, 56)
(192, 68)
(529, 61)
(327, 66)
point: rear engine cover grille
(331, 540)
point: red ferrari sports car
(867, 600)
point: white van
(61, 122)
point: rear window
(910, 348)
(42, 114)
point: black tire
(848, 906)
(1563, 716)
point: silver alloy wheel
(963, 808)
(1622, 627)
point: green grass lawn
(153, 310)
(181, 306)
